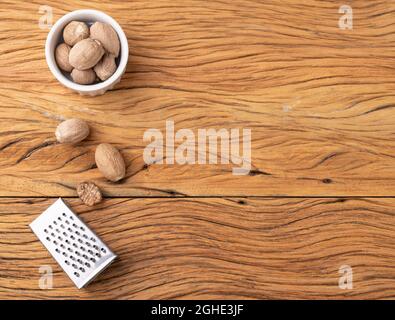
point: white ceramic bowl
(55, 36)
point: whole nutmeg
(83, 76)
(106, 67)
(110, 162)
(72, 131)
(107, 36)
(62, 57)
(86, 54)
(89, 193)
(75, 31)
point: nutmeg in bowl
(95, 62)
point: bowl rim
(50, 55)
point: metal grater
(77, 249)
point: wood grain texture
(214, 248)
(320, 104)
(319, 100)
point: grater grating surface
(76, 248)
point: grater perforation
(76, 248)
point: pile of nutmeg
(88, 53)
(108, 159)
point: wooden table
(319, 101)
